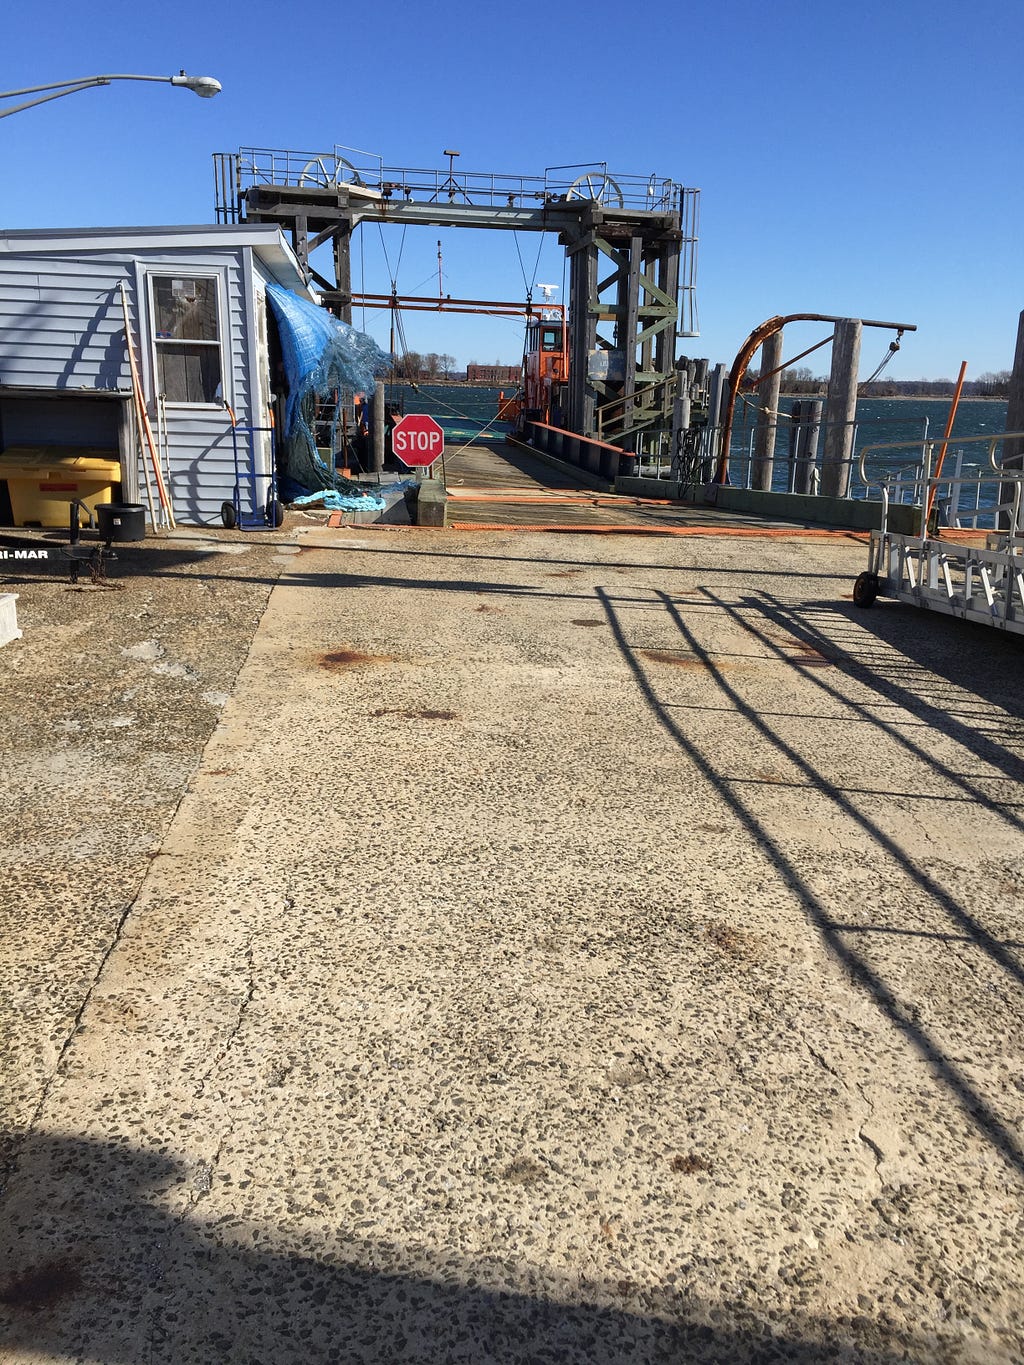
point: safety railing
(989, 499)
(795, 464)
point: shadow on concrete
(984, 661)
(449, 552)
(96, 1269)
(33, 554)
(170, 558)
(970, 658)
(901, 1013)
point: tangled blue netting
(321, 356)
(343, 500)
(335, 501)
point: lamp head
(204, 86)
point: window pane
(186, 310)
(189, 374)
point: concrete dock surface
(546, 948)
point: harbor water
(885, 422)
(465, 411)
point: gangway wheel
(316, 174)
(865, 589)
(599, 187)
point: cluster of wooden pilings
(838, 418)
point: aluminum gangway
(925, 569)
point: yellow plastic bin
(42, 480)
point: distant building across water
(493, 374)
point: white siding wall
(61, 327)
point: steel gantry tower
(631, 244)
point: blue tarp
(322, 357)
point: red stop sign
(417, 440)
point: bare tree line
(431, 366)
(803, 382)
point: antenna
(450, 184)
(547, 290)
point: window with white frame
(186, 338)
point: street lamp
(204, 86)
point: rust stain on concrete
(43, 1286)
(337, 660)
(690, 661)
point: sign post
(417, 440)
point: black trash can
(121, 520)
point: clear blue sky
(861, 160)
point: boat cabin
(545, 365)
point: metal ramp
(509, 488)
(939, 571)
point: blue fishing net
(322, 357)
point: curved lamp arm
(204, 86)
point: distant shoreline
(864, 398)
(905, 397)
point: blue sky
(860, 160)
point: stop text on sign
(417, 440)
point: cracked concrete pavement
(566, 949)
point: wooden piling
(841, 409)
(379, 426)
(681, 409)
(1013, 451)
(718, 396)
(803, 444)
(768, 391)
